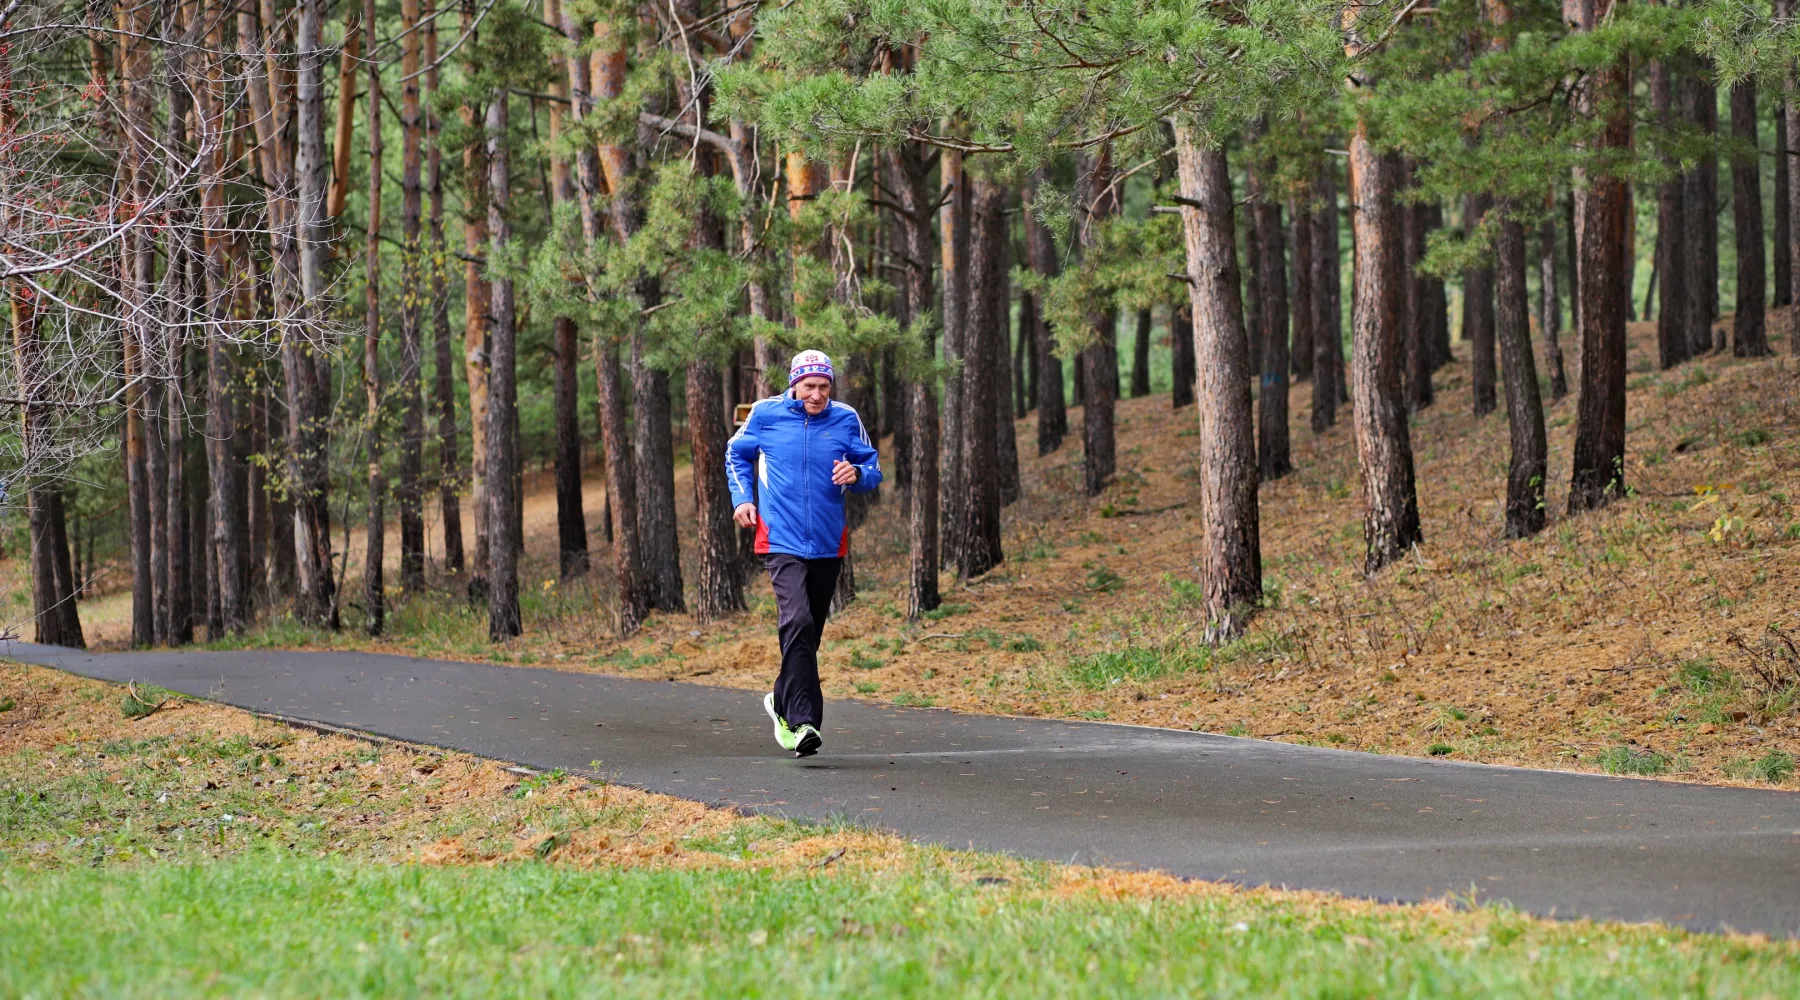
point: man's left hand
(844, 474)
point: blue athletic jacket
(789, 453)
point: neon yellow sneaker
(788, 739)
(807, 741)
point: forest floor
(199, 849)
(1660, 636)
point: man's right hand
(745, 515)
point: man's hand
(745, 515)
(844, 474)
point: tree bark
(979, 534)
(1524, 407)
(1749, 328)
(1000, 333)
(1790, 195)
(1437, 300)
(54, 617)
(1053, 419)
(1273, 456)
(374, 579)
(1420, 353)
(1599, 464)
(1701, 194)
(1328, 330)
(907, 167)
(226, 558)
(1181, 355)
(444, 375)
(953, 245)
(1674, 263)
(1301, 229)
(409, 495)
(1478, 299)
(305, 362)
(1383, 440)
(477, 304)
(1231, 554)
(1099, 361)
(1140, 356)
(1550, 309)
(1780, 221)
(503, 556)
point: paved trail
(1194, 804)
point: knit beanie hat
(809, 363)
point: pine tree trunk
(181, 587)
(716, 588)
(1524, 407)
(1550, 309)
(444, 384)
(1053, 418)
(652, 442)
(1598, 475)
(1383, 440)
(1301, 230)
(979, 533)
(917, 204)
(1100, 360)
(409, 494)
(1781, 294)
(54, 617)
(374, 581)
(1478, 296)
(1790, 195)
(1420, 352)
(1181, 355)
(305, 362)
(1273, 456)
(1002, 370)
(1231, 554)
(1140, 356)
(1749, 328)
(1673, 254)
(953, 244)
(503, 556)
(1701, 194)
(477, 305)
(1023, 383)
(1328, 327)
(140, 266)
(1437, 300)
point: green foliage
(138, 702)
(1108, 667)
(1632, 760)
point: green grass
(1629, 760)
(1111, 666)
(271, 924)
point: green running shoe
(788, 739)
(807, 741)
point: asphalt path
(1193, 804)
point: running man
(803, 451)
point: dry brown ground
(1646, 626)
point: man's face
(814, 391)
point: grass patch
(275, 925)
(138, 702)
(1630, 760)
(1108, 667)
(1440, 749)
(944, 611)
(1773, 768)
(912, 699)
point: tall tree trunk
(1478, 299)
(53, 592)
(1272, 452)
(1328, 331)
(571, 520)
(1181, 355)
(1550, 309)
(1749, 328)
(1023, 382)
(444, 376)
(226, 558)
(1100, 360)
(979, 534)
(503, 556)
(1301, 230)
(1599, 465)
(409, 495)
(1140, 356)
(374, 582)
(1790, 194)
(953, 245)
(1383, 440)
(1002, 370)
(917, 204)
(1231, 551)
(651, 440)
(1780, 221)
(717, 587)
(1053, 419)
(1436, 300)
(477, 305)
(1420, 353)
(140, 265)
(1701, 194)
(1673, 255)
(1524, 407)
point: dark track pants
(803, 591)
